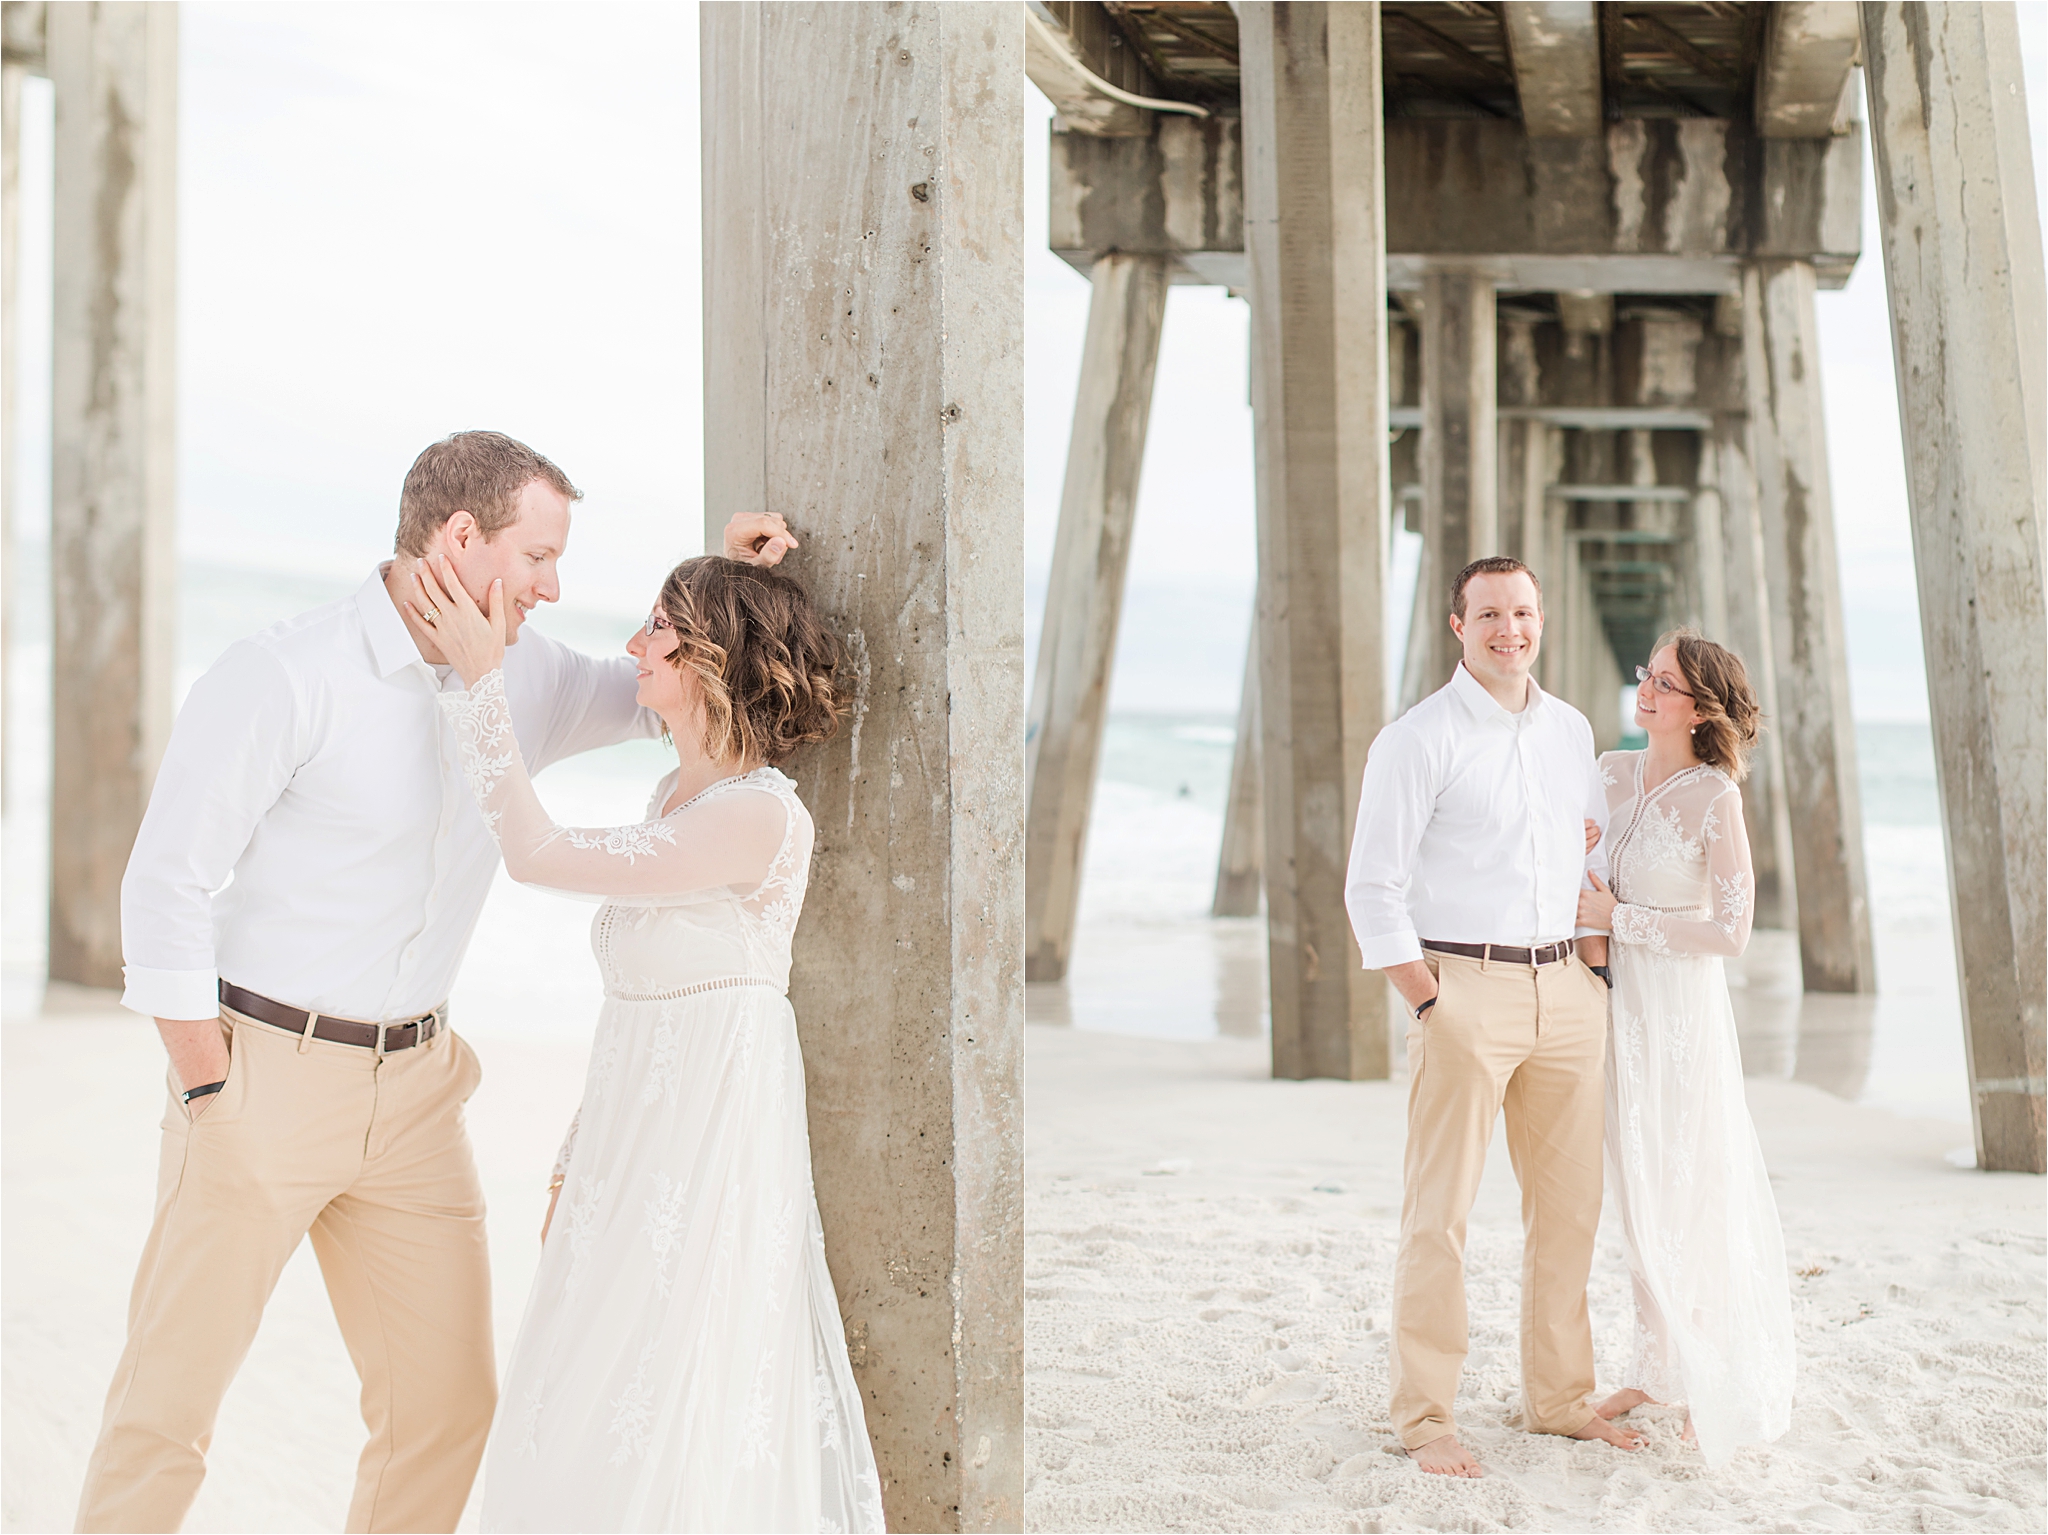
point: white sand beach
(1207, 1282)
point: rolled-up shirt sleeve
(1395, 803)
(232, 752)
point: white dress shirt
(310, 835)
(1471, 825)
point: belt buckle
(381, 1027)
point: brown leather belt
(1546, 954)
(381, 1037)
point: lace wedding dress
(1713, 1299)
(681, 1365)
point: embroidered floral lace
(1680, 859)
(1713, 1325)
(682, 1364)
(745, 843)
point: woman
(1713, 1300)
(681, 1365)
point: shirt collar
(1482, 705)
(391, 643)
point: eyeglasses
(1661, 684)
(656, 621)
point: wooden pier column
(1315, 238)
(863, 358)
(1788, 441)
(1098, 504)
(1460, 441)
(1744, 626)
(113, 492)
(1962, 254)
(1240, 864)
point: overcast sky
(401, 220)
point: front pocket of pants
(178, 1115)
(1445, 1004)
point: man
(1464, 887)
(295, 910)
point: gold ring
(430, 615)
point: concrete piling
(864, 376)
(1460, 438)
(1808, 650)
(1962, 253)
(1240, 863)
(1098, 505)
(1315, 240)
(1743, 625)
(114, 68)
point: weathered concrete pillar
(864, 375)
(1744, 626)
(1592, 680)
(1460, 493)
(1962, 255)
(1315, 238)
(12, 73)
(113, 487)
(1789, 455)
(1240, 864)
(1070, 692)
(1549, 553)
(1519, 456)
(1419, 654)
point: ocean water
(1169, 774)
(1148, 958)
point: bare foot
(1622, 1401)
(1446, 1457)
(1620, 1438)
(1688, 1435)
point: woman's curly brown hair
(1730, 716)
(763, 659)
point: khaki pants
(1532, 1042)
(370, 1156)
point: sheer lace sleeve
(1731, 884)
(723, 841)
(568, 1144)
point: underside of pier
(1587, 240)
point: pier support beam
(1781, 360)
(1240, 865)
(863, 356)
(12, 73)
(1460, 440)
(1070, 692)
(1315, 236)
(1741, 621)
(1962, 254)
(113, 488)
(1743, 624)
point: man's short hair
(1492, 565)
(481, 473)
